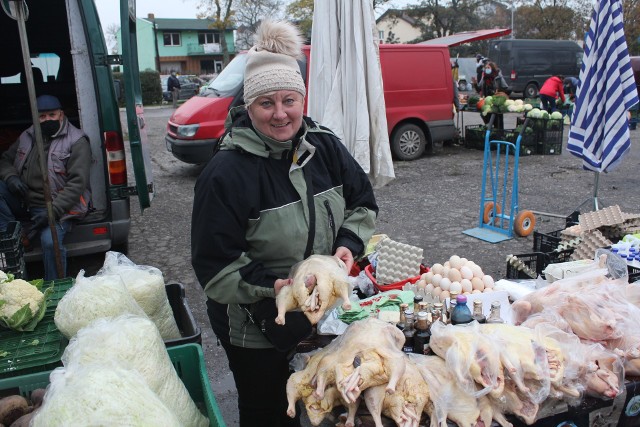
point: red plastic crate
(392, 286)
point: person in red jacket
(551, 89)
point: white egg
(477, 271)
(466, 285)
(445, 284)
(445, 271)
(427, 276)
(455, 287)
(475, 291)
(488, 290)
(454, 275)
(477, 283)
(470, 264)
(437, 268)
(429, 288)
(436, 279)
(421, 284)
(463, 261)
(447, 264)
(488, 281)
(454, 261)
(437, 291)
(444, 295)
(466, 272)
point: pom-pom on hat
(272, 62)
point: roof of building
(397, 13)
(182, 24)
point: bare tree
(248, 15)
(222, 19)
(111, 34)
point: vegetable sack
(101, 394)
(92, 298)
(146, 286)
(135, 342)
(22, 304)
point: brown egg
(454, 275)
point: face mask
(50, 127)
(487, 71)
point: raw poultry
(318, 282)
(366, 355)
(406, 405)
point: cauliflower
(22, 304)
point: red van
(418, 92)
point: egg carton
(519, 265)
(568, 244)
(571, 232)
(590, 242)
(397, 261)
(611, 215)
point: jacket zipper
(332, 223)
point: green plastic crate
(40, 349)
(187, 359)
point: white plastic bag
(92, 298)
(146, 285)
(101, 394)
(135, 342)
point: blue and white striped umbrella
(599, 132)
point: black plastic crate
(546, 242)
(474, 136)
(528, 144)
(559, 256)
(189, 330)
(536, 261)
(551, 142)
(634, 273)
(12, 251)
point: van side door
(138, 140)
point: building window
(380, 34)
(208, 38)
(172, 39)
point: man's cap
(48, 103)
(478, 56)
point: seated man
(22, 188)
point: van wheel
(531, 91)
(408, 142)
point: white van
(69, 60)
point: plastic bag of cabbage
(92, 298)
(146, 285)
(126, 341)
(120, 287)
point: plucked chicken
(318, 282)
(366, 355)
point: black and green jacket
(250, 221)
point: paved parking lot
(429, 204)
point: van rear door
(138, 140)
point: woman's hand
(346, 256)
(281, 283)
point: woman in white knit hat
(279, 189)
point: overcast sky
(109, 10)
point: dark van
(69, 59)
(526, 64)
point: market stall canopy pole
(345, 83)
(17, 10)
(599, 132)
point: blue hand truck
(499, 214)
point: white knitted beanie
(271, 62)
